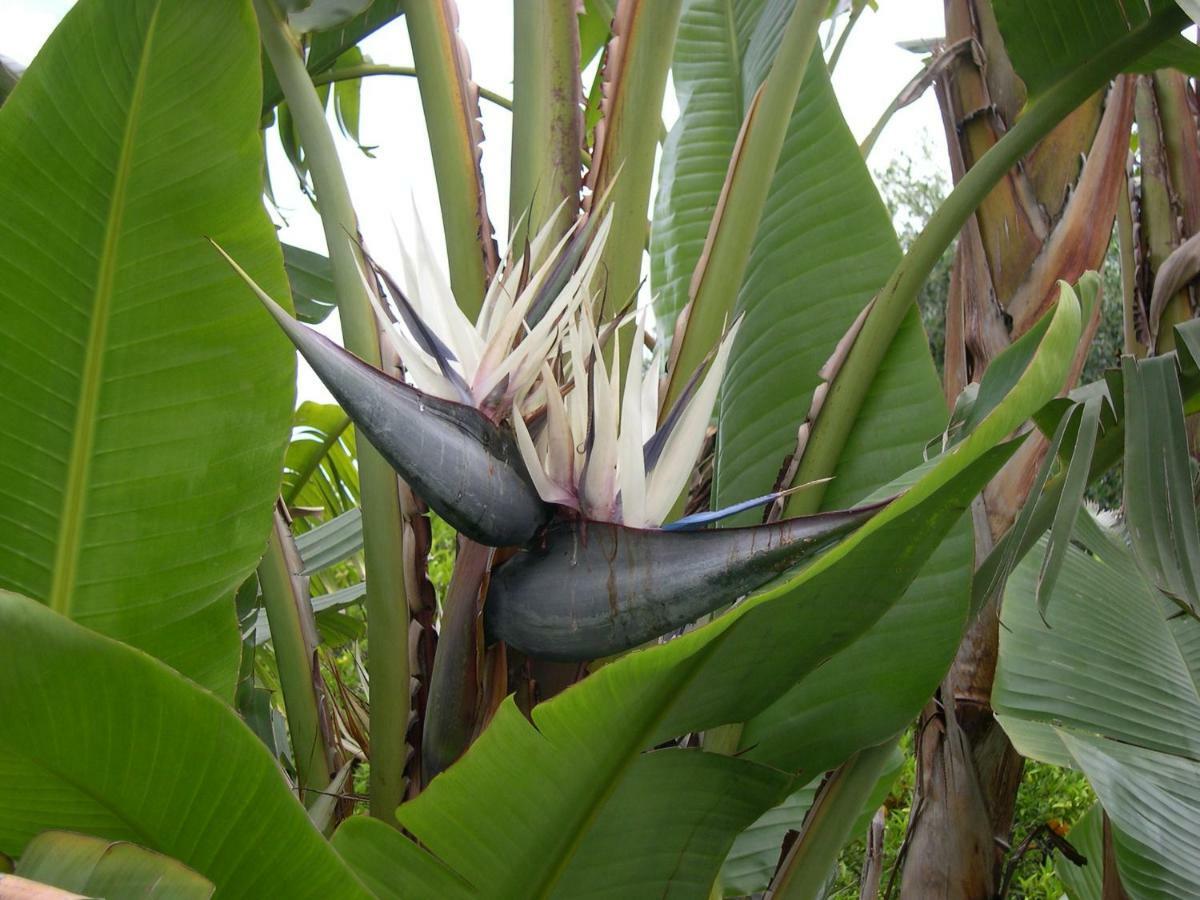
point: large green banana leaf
(713, 86)
(1159, 502)
(1110, 685)
(825, 245)
(535, 806)
(110, 742)
(861, 693)
(147, 403)
(868, 690)
(114, 870)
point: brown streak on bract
(611, 81)
(828, 372)
(473, 125)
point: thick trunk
(950, 848)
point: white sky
(870, 73)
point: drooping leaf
(321, 603)
(992, 573)
(331, 542)
(181, 775)
(1158, 480)
(756, 851)
(1111, 686)
(1074, 485)
(1143, 790)
(311, 279)
(149, 405)
(115, 870)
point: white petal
(600, 482)
(631, 467)
(546, 488)
(650, 401)
(674, 467)
(560, 442)
(421, 370)
(577, 398)
(440, 311)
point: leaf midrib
(71, 522)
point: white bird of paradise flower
(597, 449)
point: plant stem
(349, 73)
(635, 77)
(294, 638)
(838, 805)
(849, 388)
(855, 14)
(547, 119)
(452, 120)
(387, 608)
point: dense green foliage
(352, 719)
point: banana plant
(706, 666)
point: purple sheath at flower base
(586, 590)
(464, 466)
